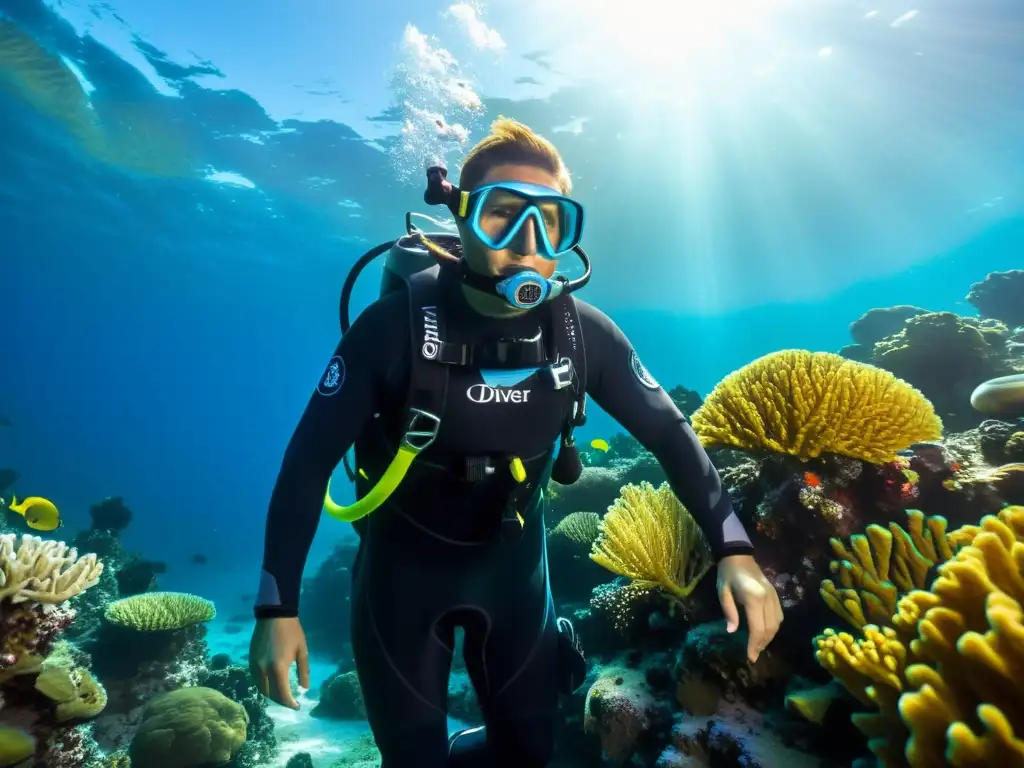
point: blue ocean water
(177, 215)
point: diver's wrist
(274, 612)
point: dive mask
(497, 213)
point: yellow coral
(15, 745)
(955, 653)
(157, 611)
(808, 403)
(881, 564)
(649, 536)
(47, 572)
(77, 694)
(581, 527)
(968, 706)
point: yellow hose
(387, 484)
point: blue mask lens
(503, 215)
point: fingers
(754, 609)
(771, 617)
(732, 615)
(280, 688)
(259, 679)
(302, 661)
(773, 614)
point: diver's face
(522, 251)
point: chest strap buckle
(560, 374)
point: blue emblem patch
(641, 373)
(332, 378)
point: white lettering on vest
(481, 393)
(431, 341)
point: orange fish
(812, 479)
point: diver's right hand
(276, 643)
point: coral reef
(875, 324)
(944, 355)
(940, 670)
(44, 691)
(1000, 296)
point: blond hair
(512, 142)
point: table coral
(160, 611)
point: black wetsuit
(430, 559)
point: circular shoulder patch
(641, 373)
(333, 377)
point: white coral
(45, 572)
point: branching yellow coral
(580, 527)
(955, 651)
(650, 537)
(45, 572)
(881, 564)
(808, 403)
(872, 669)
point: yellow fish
(40, 514)
(599, 444)
(911, 475)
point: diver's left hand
(740, 580)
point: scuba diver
(460, 389)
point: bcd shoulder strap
(428, 381)
(568, 340)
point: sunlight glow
(229, 178)
(665, 38)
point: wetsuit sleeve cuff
(739, 548)
(275, 612)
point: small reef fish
(599, 444)
(812, 480)
(40, 514)
(911, 475)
